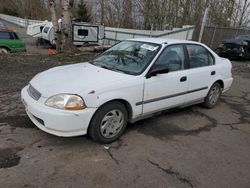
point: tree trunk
(102, 12)
(66, 30)
(52, 7)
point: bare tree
(54, 19)
(244, 14)
(66, 30)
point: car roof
(162, 40)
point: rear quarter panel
(223, 72)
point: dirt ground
(192, 147)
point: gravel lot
(192, 147)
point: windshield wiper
(113, 69)
(106, 67)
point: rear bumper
(227, 84)
(54, 121)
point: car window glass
(130, 57)
(12, 36)
(5, 35)
(15, 36)
(199, 56)
(172, 57)
(46, 29)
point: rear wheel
(4, 50)
(108, 123)
(213, 95)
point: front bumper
(54, 121)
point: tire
(213, 96)
(108, 123)
(4, 50)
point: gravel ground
(192, 147)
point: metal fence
(114, 35)
(19, 21)
(213, 36)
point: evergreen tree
(83, 12)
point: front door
(167, 90)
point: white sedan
(133, 80)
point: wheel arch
(122, 101)
(5, 47)
(126, 104)
(220, 82)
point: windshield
(129, 57)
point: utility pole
(204, 20)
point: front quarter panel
(130, 91)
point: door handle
(183, 79)
(213, 73)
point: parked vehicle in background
(10, 41)
(238, 47)
(82, 32)
(133, 80)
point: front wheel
(213, 96)
(108, 123)
(4, 51)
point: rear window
(5, 35)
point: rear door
(202, 69)
(167, 90)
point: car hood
(80, 79)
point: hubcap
(112, 123)
(214, 95)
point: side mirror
(157, 69)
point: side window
(83, 32)
(15, 36)
(199, 56)
(12, 36)
(172, 57)
(46, 29)
(41, 28)
(4, 35)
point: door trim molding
(169, 96)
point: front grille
(36, 95)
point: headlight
(65, 102)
